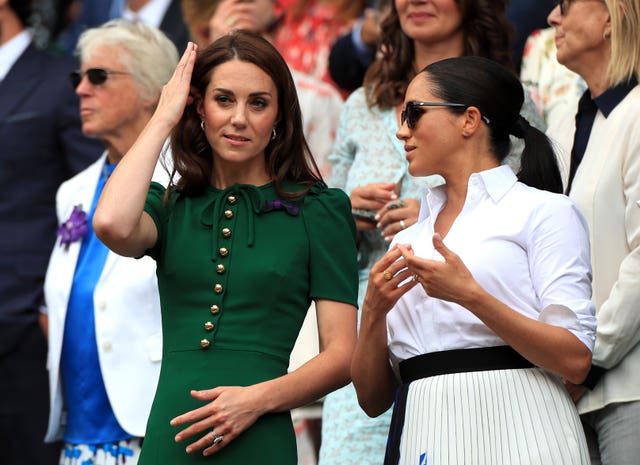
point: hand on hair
(176, 94)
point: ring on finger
(387, 275)
(218, 439)
(231, 22)
(415, 277)
(403, 225)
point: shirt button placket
(221, 269)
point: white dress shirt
(526, 247)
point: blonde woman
(599, 145)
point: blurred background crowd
(349, 91)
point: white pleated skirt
(499, 417)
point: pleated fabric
(500, 417)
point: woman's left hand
(576, 391)
(231, 410)
(449, 280)
(392, 219)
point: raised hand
(236, 14)
(176, 94)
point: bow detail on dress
(248, 194)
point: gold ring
(402, 224)
(388, 276)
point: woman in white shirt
(473, 338)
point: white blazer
(127, 318)
(606, 188)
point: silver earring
(606, 36)
(202, 124)
(273, 134)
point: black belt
(461, 361)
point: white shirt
(12, 50)
(528, 248)
(151, 14)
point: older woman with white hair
(600, 142)
(104, 311)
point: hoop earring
(606, 36)
(202, 124)
(273, 134)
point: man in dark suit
(165, 15)
(41, 145)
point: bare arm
(119, 220)
(232, 409)
(372, 375)
(551, 347)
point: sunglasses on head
(413, 111)
(96, 76)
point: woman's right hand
(373, 196)
(176, 94)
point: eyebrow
(252, 94)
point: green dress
(237, 271)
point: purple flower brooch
(74, 228)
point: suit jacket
(127, 318)
(606, 187)
(174, 27)
(41, 145)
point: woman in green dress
(244, 241)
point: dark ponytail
(498, 94)
(538, 164)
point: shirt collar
(496, 182)
(11, 51)
(611, 97)
(152, 13)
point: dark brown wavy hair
(287, 156)
(487, 33)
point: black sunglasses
(96, 76)
(412, 111)
(564, 4)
